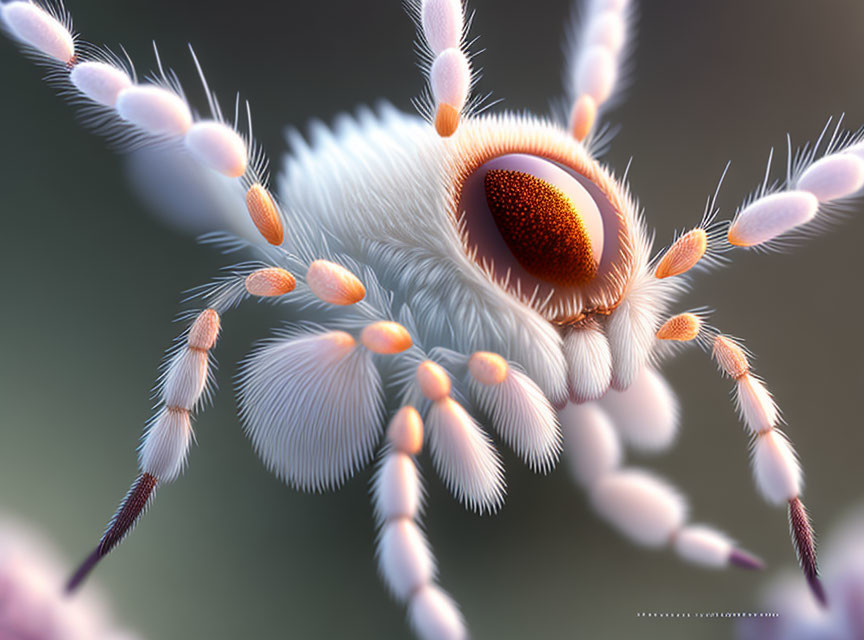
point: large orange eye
(535, 221)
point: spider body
(451, 270)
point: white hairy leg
(165, 444)
(187, 377)
(517, 409)
(462, 453)
(444, 59)
(589, 361)
(813, 191)
(597, 49)
(405, 560)
(150, 113)
(644, 508)
(774, 462)
(646, 414)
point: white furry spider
(502, 272)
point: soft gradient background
(91, 282)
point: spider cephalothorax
(573, 255)
(442, 271)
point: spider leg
(405, 560)
(165, 444)
(444, 60)
(466, 460)
(517, 409)
(597, 48)
(186, 378)
(641, 506)
(646, 414)
(819, 185)
(589, 361)
(813, 192)
(463, 454)
(775, 465)
(153, 113)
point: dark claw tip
(83, 571)
(745, 560)
(818, 590)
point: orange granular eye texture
(541, 227)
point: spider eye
(538, 222)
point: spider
(460, 269)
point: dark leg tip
(83, 571)
(818, 590)
(744, 560)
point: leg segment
(646, 414)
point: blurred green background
(91, 283)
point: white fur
(608, 30)
(312, 406)
(443, 22)
(450, 77)
(597, 48)
(631, 329)
(396, 489)
(404, 558)
(397, 164)
(755, 404)
(100, 81)
(703, 545)
(772, 215)
(434, 616)
(217, 146)
(833, 177)
(155, 110)
(856, 150)
(523, 416)
(185, 378)
(646, 414)
(36, 27)
(166, 445)
(464, 457)
(589, 362)
(608, 5)
(778, 474)
(590, 443)
(597, 73)
(641, 506)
